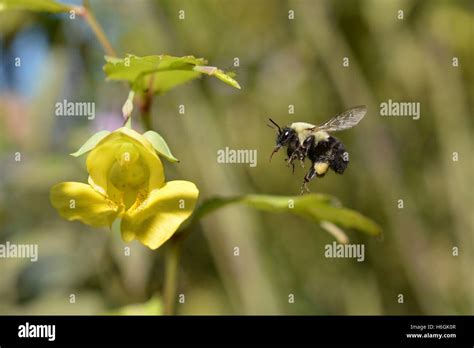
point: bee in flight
(324, 151)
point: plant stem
(146, 105)
(171, 276)
(97, 29)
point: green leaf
(160, 72)
(91, 143)
(221, 75)
(160, 145)
(35, 5)
(315, 207)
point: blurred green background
(282, 62)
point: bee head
(283, 137)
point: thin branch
(88, 15)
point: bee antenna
(279, 129)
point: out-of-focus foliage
(151, 307)
(280, 62)
(34, 5)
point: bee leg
(302, 157)
(304, 188)
(307, 178)
(309, 141)
(289, 162)
(304, 148)
(290, 159)
(301, 152)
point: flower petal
(147, 151)
(137, 137)
(155, 220)
(78, 201)
(100, 160)
(102, 157)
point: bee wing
(344, 120)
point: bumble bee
(324, 151)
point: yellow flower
(126, 180)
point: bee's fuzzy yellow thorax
(304, 130)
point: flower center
(129, 172)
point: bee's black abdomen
(339, 156)
(339, 165)
(331, 151)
